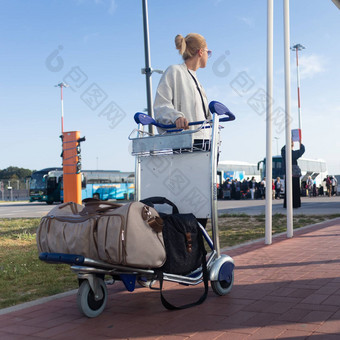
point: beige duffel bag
(129, 235)
(64, 230)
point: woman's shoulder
(174, 69)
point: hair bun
(180, 43)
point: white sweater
(177, 96)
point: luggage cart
(174, 166)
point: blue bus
(105, 185)
(46, 185)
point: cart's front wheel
(223, 287)
(86, 299)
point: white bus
(316, 168)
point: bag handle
(150, 201)
(94, 206)
(170, 306)
(73, 206)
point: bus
(45, 185)
(316, 168)
(104, 185)
(236, 170)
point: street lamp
(297, 48)
(61, 85)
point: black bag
(180, 234)
(184, 247)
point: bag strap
(199, 91)
(150, 201)
(170, 306)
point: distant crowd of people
(250, 189)
(246, 189)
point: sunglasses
(209, 52)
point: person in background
(315, 190)
(244, 188)
(334, 185)
(329, 186)
(237, 189)
(309, 186)
(226, 189)
(252, 187)
(296, 173)
(263, 188)
(278, 186)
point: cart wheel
(86, 301)
(223, 287)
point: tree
(13, 172)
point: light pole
(269, 113)
(61, 85)
(277, 144)
(297, 48)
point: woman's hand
(182, 123)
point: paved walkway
(288, 290)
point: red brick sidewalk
(288, 290)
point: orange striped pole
(71, 167)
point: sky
(97, 47)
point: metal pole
(62, 109)
(298, 87)
(297, 48)
(288, 189)
(147, 70)
(213, 173)
(269, 157)
(61, 85)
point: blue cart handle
(214, 107)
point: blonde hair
(189, 45)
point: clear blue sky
(97, 45)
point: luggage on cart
(181, 238)
(64, 230)
(129, 235)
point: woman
(180, 98)
(296, 173)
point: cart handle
(214, 107)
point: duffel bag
(130, 235)
(64, 230)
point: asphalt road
(309, 206)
